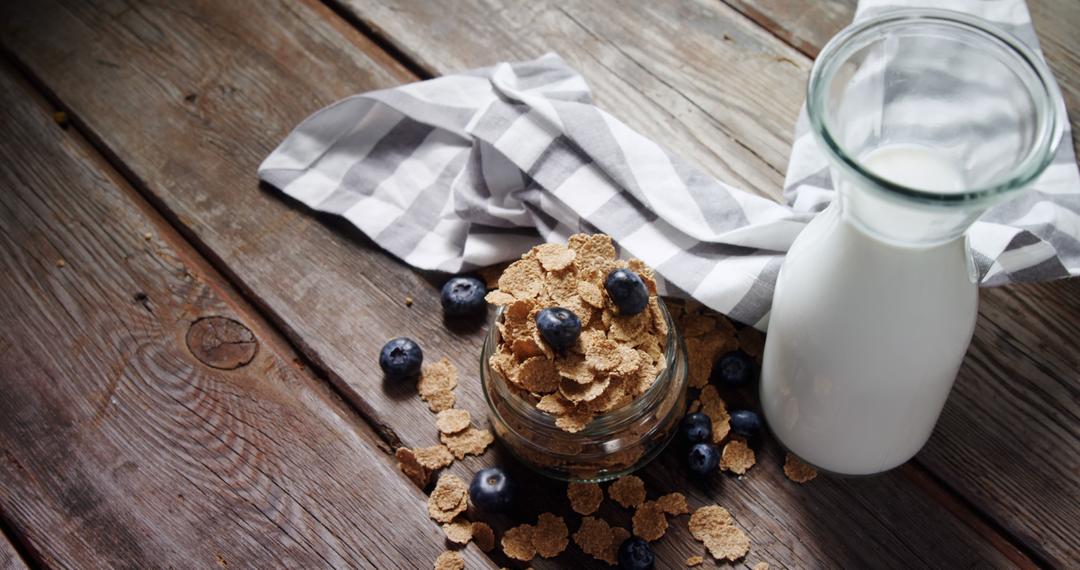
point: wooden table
(188, 360)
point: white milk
(866, 335)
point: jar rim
(603, 423)
(1050, 113)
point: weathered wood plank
(9, 557)
(126, 440)
(192, 135)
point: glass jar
(612, 444)
(927, 118)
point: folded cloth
(472, 169)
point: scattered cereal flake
(751, 341)
(434, 457)
(408, 301)
(449, 560)
(649, 521)
(483, 536)
(490, 275)
(694, 407)
(630, 362)
(537, 374)
(449, 499)
(714, 526)
(148, 236)
(618, 536)
(698, 325)
(554, 256)
(453, 420)
(61, 263)
(628, 491)
(591, 294)
(695, 561)
(458, 531)
(798, 471)
(498, 297)
(439, 401)
(584, 498)
(524, 279)
(713, 406)
(737, 457)
(60, 118)
(412, 468)
(673, 504)
(550, 535)
(469, 441)
(517, 543)
(761, 566)
(436, 382)
(594, 536)
(524, 348)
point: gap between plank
(380, 39)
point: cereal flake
(649, 521)
(449, 560)
(798, 471)
(469, 441)
(458, 531)
(714, 526)
(550, 536)
(449, 499)
(483, 536)
(452, 421)
(584, 498)
(737, 457)
(517, 543)
(695, 561)
(673, 504)
(628, 491)
(555, 257)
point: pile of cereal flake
(615, 359)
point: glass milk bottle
(928, 118)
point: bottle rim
(1050, 113)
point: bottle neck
(900, 221)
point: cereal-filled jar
(583, 370)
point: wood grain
(9, 557)
(191, 133)
(118, 447)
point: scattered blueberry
(703, 458)
(627, 291)
(636, 554)
(745, 423)
(695, 428)
(492, 490)
(463, 295)
(559, 327)
(734, 370)
(401, 358)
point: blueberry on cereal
(463, 295)
(627, 291)
(401, 358)
(636, 554)
(695, 428)
(746, 423)
(559, 327)
(734, 370)
(492, 490)
(703, 458)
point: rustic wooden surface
(9, 557)
(186, 98)
(123, 448)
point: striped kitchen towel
(471, 169)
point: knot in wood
(222, 343)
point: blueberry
(463, 295)
(559, 327)
(401, 358)
(703, 458)
(636, 554)
(745, 423)
(492, 490)
(734, 370)
(627, 291)
(695, 428)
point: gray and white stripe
(468, 170)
